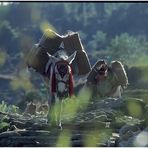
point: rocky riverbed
(103, 123)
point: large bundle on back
(120, 72)
(116, 68)
(50, 42)
(37, 57)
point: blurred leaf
(3, 106)
(18, 83)
(3, 124)
(47, 29)
(135, 109)
(97, 136)
(64, 139)
(3, 57)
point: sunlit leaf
(47, 29)
(135, 109)
(64, 139)
(97, 136)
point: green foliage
(87, 18)
(13, 109)
(128, 48)
(115, 30)
(110, 8)
(96, 136)
(4, 107)
(3, 125)
(40, 95)
(98, 40)
(32, 95)
(7, 31)
(64, 139)
(82, 35)
(21, 83)
(127, 120)
(107, 30)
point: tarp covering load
(50, 42)
(115, 67)
(120, 72)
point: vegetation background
(108, 30)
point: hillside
(109, 31)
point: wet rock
(34, 133)
(127, 131)
(13, 128)
(111, 142)
(77, 143)
(100, 116)
(127, 135)
(28, 138)
(18, 124)
(109, 103)
(123, 120)
(9, 134)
